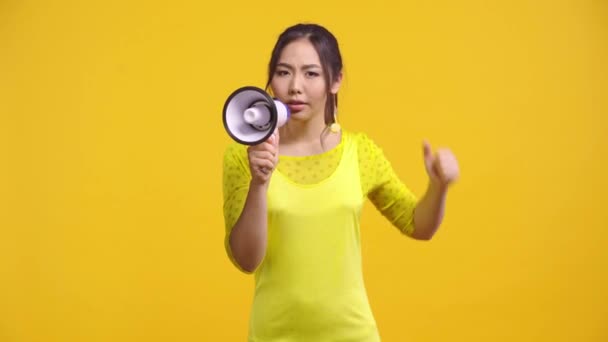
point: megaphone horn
(250, 115)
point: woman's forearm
(248, 237)
(429, 212)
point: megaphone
(250, 115)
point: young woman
(294, 224)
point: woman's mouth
(296, 106)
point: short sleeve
(386, 191)
(236, 178)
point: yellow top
(309, 287)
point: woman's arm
(429, 212)
(443, 170)
(248, 237)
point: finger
(263, 164)
(426, 148)
(278, 137)
(256, 163)
(427, 155)
(274, 137)
(264, 171)
(263, 155)
(270, 145)
(264, 147)
(440, 169)
(450, 165)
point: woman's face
(299, 81)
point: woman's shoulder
(360, 138)
(235, 151)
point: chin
(300, 116)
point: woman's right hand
(263, 159)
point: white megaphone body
(250, 115)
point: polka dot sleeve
(236, 178)
(383, 187)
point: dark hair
(328, 50)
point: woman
(295, 224)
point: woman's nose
(295, 85)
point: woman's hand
(263, 159)
(441, 166)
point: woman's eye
(312, 74)
(281, 72)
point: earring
(335, 126)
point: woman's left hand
(441, 166)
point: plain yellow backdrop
(111, 146)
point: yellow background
(111, 144)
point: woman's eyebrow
(306, 66)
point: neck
(296, 132)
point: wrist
(436, 187)
(258, 186)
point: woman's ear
(335, 86)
